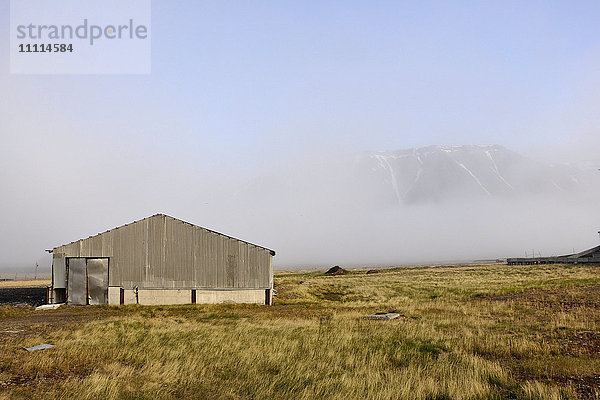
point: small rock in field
(383, 316)
(337, 270)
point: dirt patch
(78, 371)
(587, 387)
(18, 296)
(563, 299)
(36, 322)
(17, 380)
(541, 305)
(587, 343)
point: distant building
(590, 256)
(161, 260)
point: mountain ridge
(436, 173)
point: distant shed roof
(587, 253)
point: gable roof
(175, 219)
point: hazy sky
(238, 89)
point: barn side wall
(163, 252)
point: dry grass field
(471, 332)
(20, 283)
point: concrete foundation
(114, 295)
(185, 296)
(162, 296)
(254, 296)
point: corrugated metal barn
(161, 260)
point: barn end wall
(163, 252)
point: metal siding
(124, 256)
(76, 281)
(194, 262)
(216, 249)
(96, 245)
(256, 266)
(163, 253)
(243, 265)
(136, 247)
(116, 264)
(128, 255)
(69, 250)
(265, 266)
(155, 249)
(97, 279)
(212, 249)
(127, 245)
(139, 250)
(171, 254)
(91, 247)
(220, 260)
(233, 265)
(168, 274)
(146, 233)
(59, 273)
(270, 271)
(190, 272)
(179, 255)
(83, 248)
(107, 245)
(178, 249)
(253, 265)
(200, 270)
(250, 277)
(186, 268)
(214, 260)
